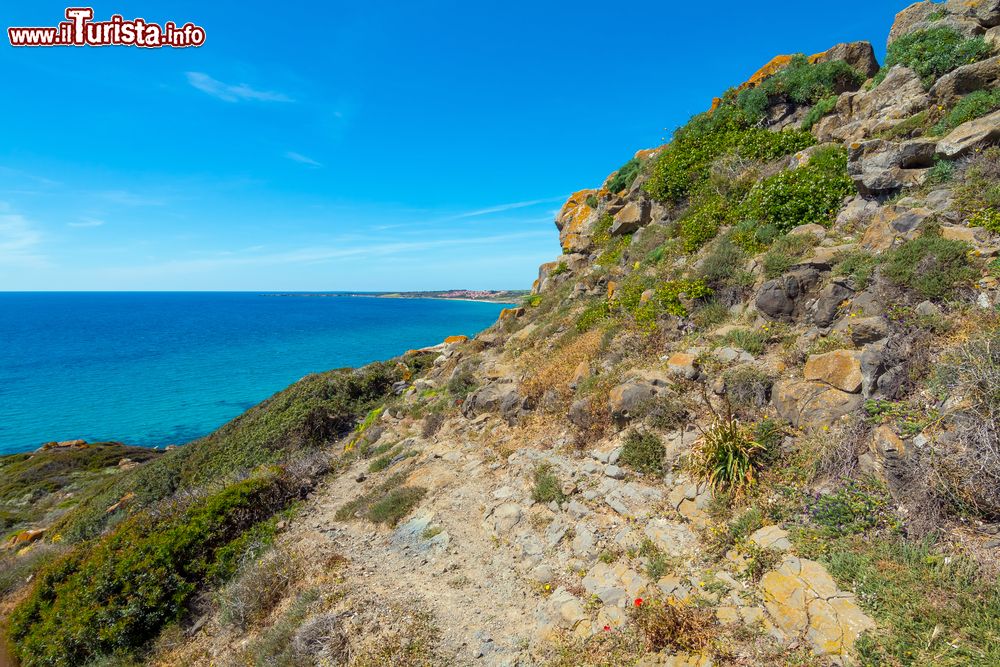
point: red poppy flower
(638, 602)
(607, 628)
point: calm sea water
(160, 368)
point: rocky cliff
(751, 415)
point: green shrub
(533, 300)
(941, 172)
(979, 184)
(931, 266)
(735, 530)
(722, 264)
(592, 315)
(624, 177)
(658, 564)
(820, 109)
(810, 194)
(396, 504)
(592, 201)
(727, 457)
(974, 105)
(802, 82)
(711, 314)
(643, 452)
(857, 264)
(113, 596)
(462, 383)
(857, 508)
(753, 341)
(387, 503)
(748, 386)
(614, 251)
(560, 269)
(760, 561)
(601, 235)
(988, 218)
(933, 53)
(685, 163)
(785, 252)
(701, 223)
(548, 488)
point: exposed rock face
(633, 216)
(880, 166)
(859, 55)
(966, 79)
(807, 404)
(862, 114)
(784, 297)
(828, 303)
(840, 369)
(575, 221)
(969, 136)
(803, 600)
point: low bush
(785, 252)
(822, 108)
(753, 341)
(974, 105)
(548, 488)
(721, 266)
(932, 53)
(858, 265)
(728, 456)
(760, 560)
(978, 187)
(802, 82)
(658, 564)
(674, 625)
(244, 602)
(600, 236)
(624, 177)
(970, 466)
(748, 386)
(388, 502)
(811, 194)
(113, 596)
(857, 508)
(592, 315)
(931, 266)
(665, 413)
(644, 452)
(737, 529)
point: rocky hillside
(751, 416)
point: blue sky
(354, 146)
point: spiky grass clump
(728, 456)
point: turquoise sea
(155, 369)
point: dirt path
(440, 559)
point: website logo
(80, 29)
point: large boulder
(631, 218)
(966, 79)
(575, 222)
(500, 397)
(859, 55)
(959, 15)
(828, 303)
(985, 12)
(862, 114)
(893, 222)
(627, 400)
(969, 136)
(783, 298)
(840, 369)
(806, 404)
(880, 166)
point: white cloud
(19, 240)
(126, 198)
(302, 159)
(86, 222)
(505, 207)
(233, 92)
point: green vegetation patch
(822, 108)
(113, 596)
(801, 82)
(933, 267)
(387, 503)
(811, 194)
(933, 53)
(624, 177)
(974, 105)
(644, 452)
(548, 488)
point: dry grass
(554, 370)
(667, 624)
